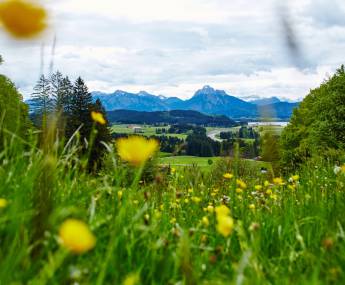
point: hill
(206, 100)
(168, 117)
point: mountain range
(206, 100)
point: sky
(250, 49)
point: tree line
(71, 103)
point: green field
(147, 130)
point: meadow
(230, 225)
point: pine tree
(42, 103)
(81, 102)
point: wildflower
(225, 225)
(98, 117)
(190, 190)
(266, 183)
(210, 209)
(269, 192)
(239, 190)
(241, 184)
(228, 175)
(295, 177)
(252, 206)
(292, 187)
(278, 181)
(186, 200)
(222, 210)
(136, 149)
(76, 236)
(257, 187)
(132, 279)
(205, 221)
(3, 203)
(119, 195)
(336, 169)
(196, 200)
(22, 19)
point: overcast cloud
(174, 47)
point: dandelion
(98, 118)
(278, 181)
(240, 183)
(22, 19)
(205, 221)
(3, 203)
(266, 183)
(257, 187)
(119, 195)
(239, 190)
(210, 209)
(228, 175)
(222, 210)
(252, 206)
(196, 200)
(295, 177)
(225, 225)
(132, 279)
(136, 149)
(76, 236)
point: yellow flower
(186, 200)
(296, 177)
(266, 183)
(222, 210)
(3, 203)
(22, 19)
(241, 184)
(257, 187)
(190, 190)
(173, 220)
(228, 175)
(269, 192)
(225, 225)
(196, 200)
(76, 236)
(98, 118)
(205, 221)
(252, 206)
(239, 190)
(210, 209)
(119, 195)
(136, 149)
(173, 170)
(278, 181)
(132, 279)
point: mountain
(265, 101)
(206, 100)
(169, 117)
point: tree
(81, 102)
(317, 126)
(42, 102)
(13, 112)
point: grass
(147, 130)
(155, 229)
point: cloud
(175, 47)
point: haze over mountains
(206, 100)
